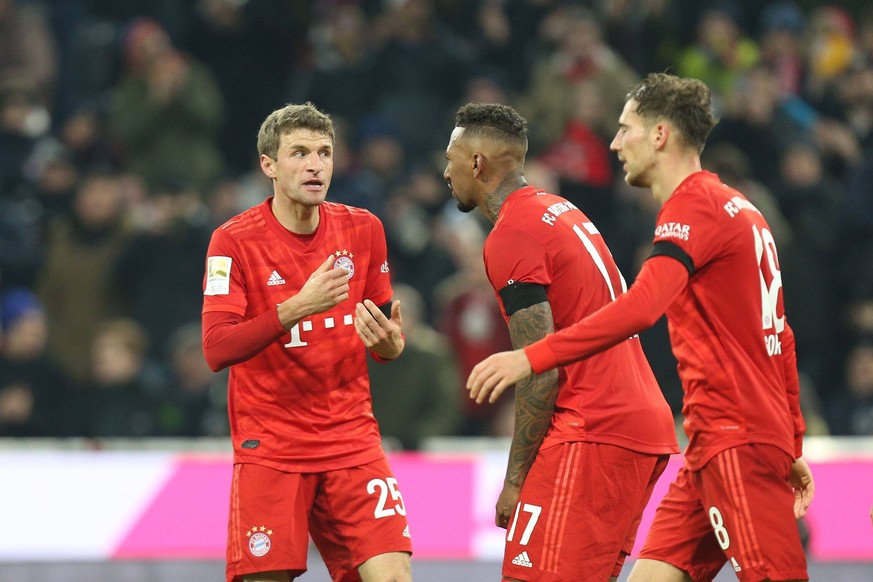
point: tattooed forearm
(534, 396)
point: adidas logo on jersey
(736, 565)
(275, 279)
(384, 268)
(406, 532)
(522, 560)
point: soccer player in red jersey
(296, 291)
(715, 272)
(590, 440)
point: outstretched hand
(380, 334)
(492, 376)
(804, 487)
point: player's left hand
(380, 334)
(804, 487)
(493, 375)
(506, 504)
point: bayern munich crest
(344, 261)
(259, 540)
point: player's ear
(478, 165)
(267, 166)
(660, 133)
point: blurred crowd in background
(128, 133)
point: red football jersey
(303, 403)
(612, 397)
(727, 326)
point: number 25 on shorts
(386, 487)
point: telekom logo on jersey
(307, 325)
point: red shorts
(578, 512)
(352, 515)
(741, 496)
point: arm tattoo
(535, 396)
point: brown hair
(683, 102)
(287, 119)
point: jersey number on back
(771, 289)
(595, 256)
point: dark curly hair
(684, 102)
(493, 121)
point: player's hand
(325, 288)
(804, 487)
(506, 504)
(380, 334)
(493, 375)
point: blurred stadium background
(127, 134)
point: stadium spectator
(417, 251)
(254, 50)
(340, 72)
(28, 51)
(757, 118)
(158, 272)
(580, 156)
(23, 121)
(469, 317)
(782, 26)
(646, 33)
(381, 162)
(120, 395)
(86, 139)
(581, 55)
(35, 393)
(75, 282)
(364, 183)
(166, 110)
(853, 101)
(419, 395)
(850, 412)
(194, 403)
(721, 51)
(831, 49)
(811, 201)
(21, 244)
(420, 68)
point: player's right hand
(325, 288)
(493, 375)
(506, 504)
